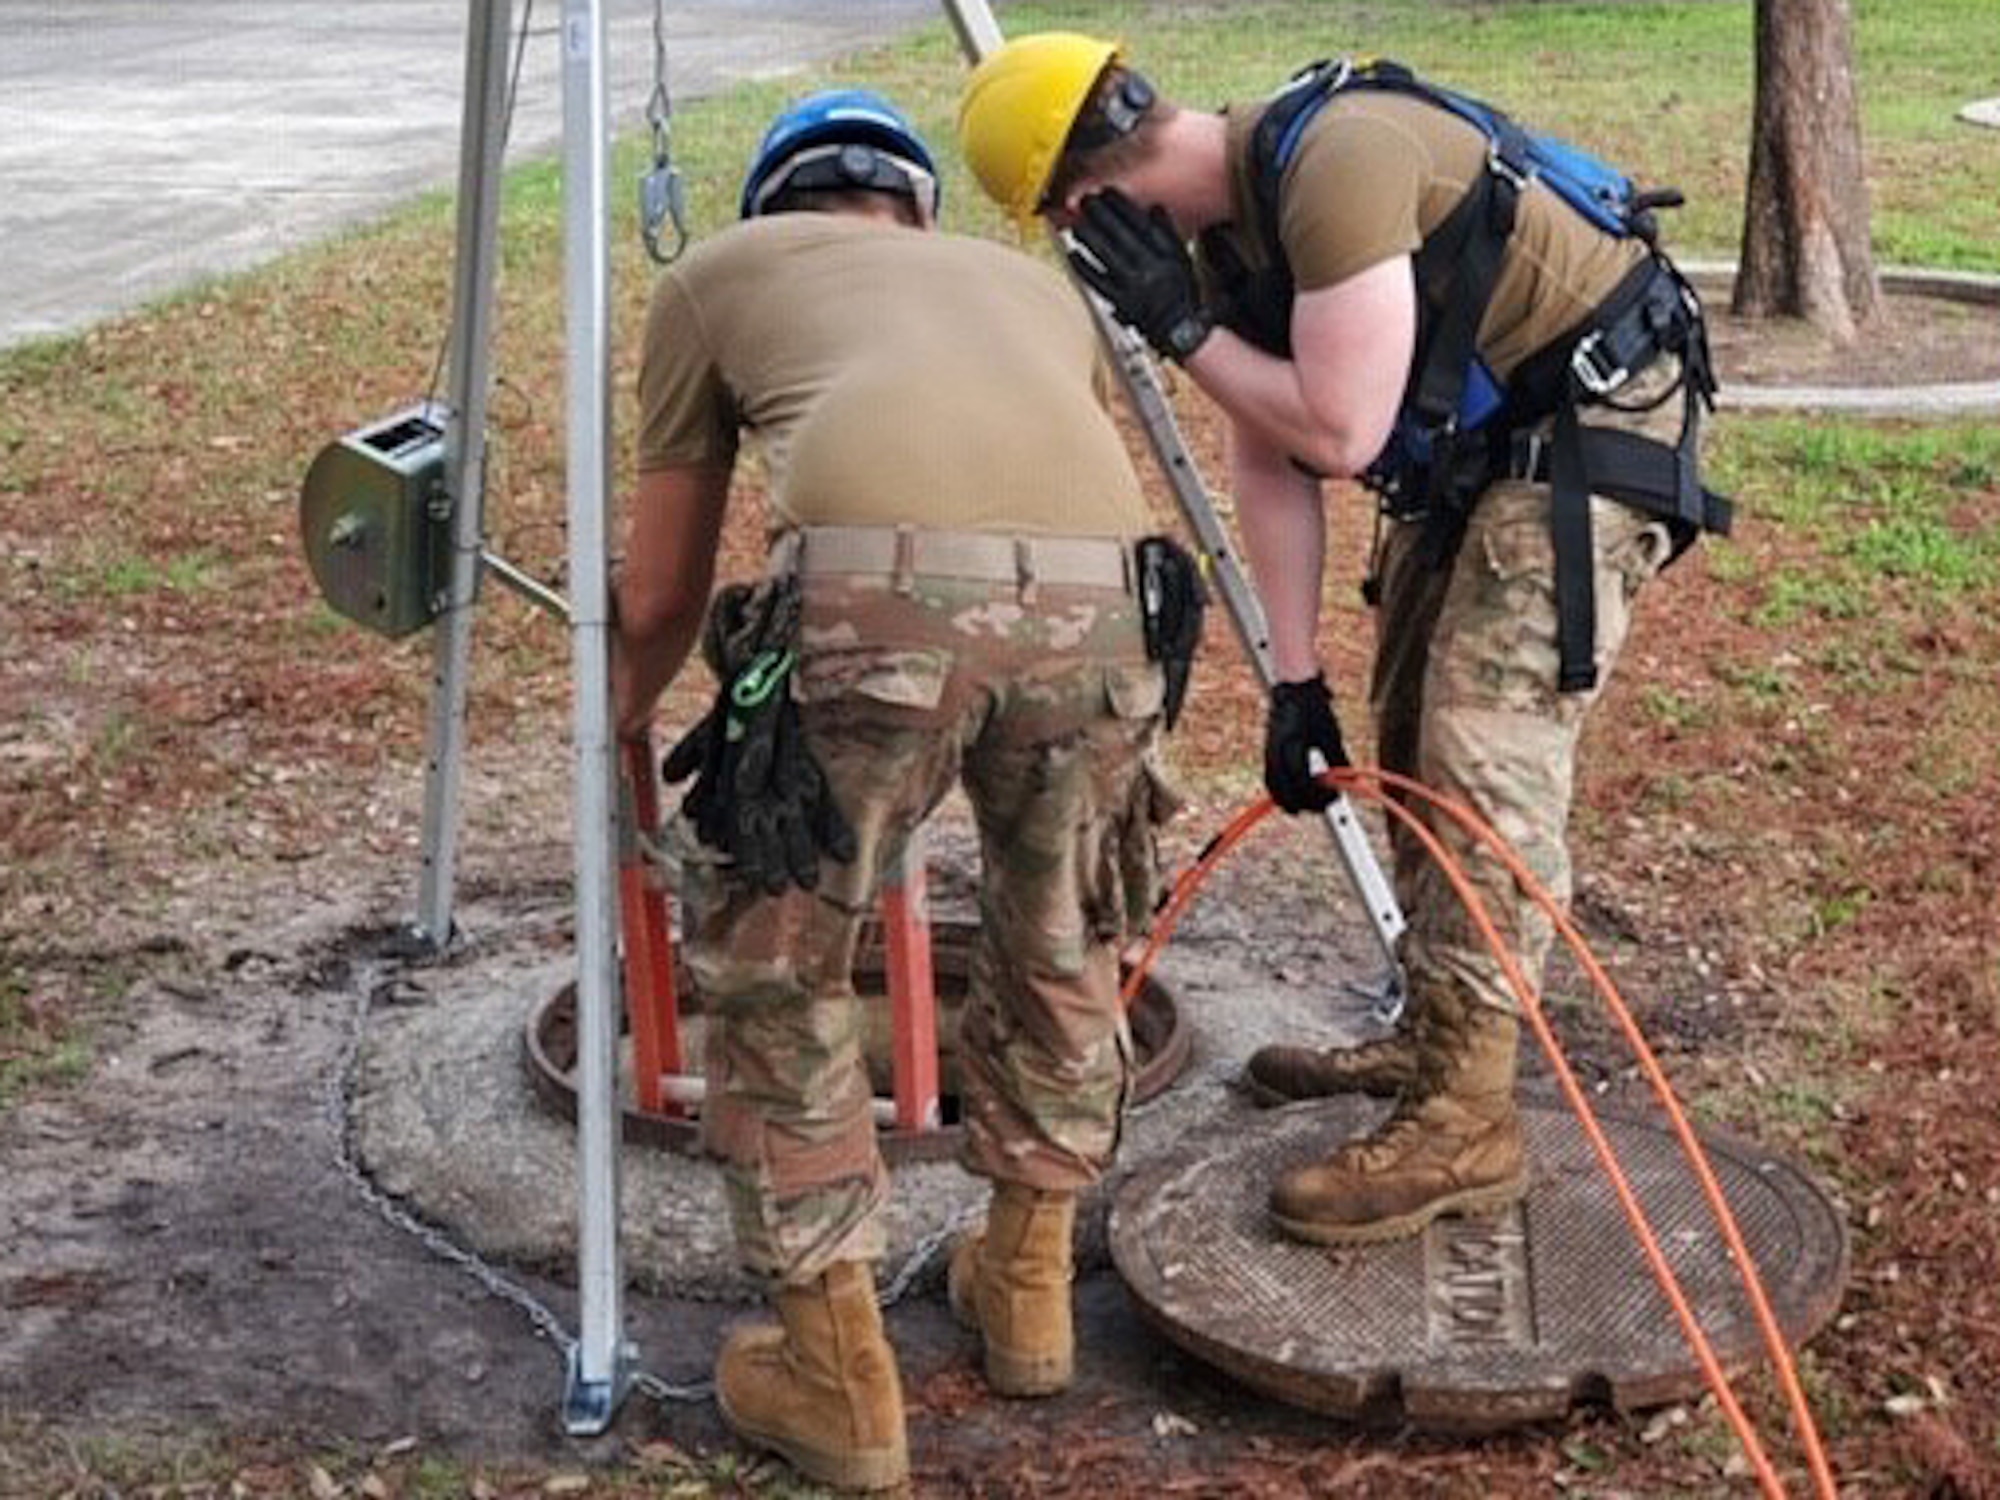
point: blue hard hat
(807, 146)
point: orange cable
(1371, 783)
(1663, 1273)
(1767, 1322)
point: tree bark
(1806, 250)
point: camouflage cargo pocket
(1494, 644)
(904, 676)
(1130, 880)
(1496, 639)
(1135, 690)
(1142, 876)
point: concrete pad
(1962, 399)
(144, 148)
(444, 1118)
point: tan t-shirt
(1375, 172)
(891, 375)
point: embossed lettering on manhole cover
(1478, 1322)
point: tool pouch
(1172, 601)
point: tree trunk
(1806, 251)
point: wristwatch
(1189, 334)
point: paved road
(144, 146)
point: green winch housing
(375, 516)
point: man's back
(893, 375)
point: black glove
(758, 795)
(1254, 304)
(1301, 721)
(785, 815)
(740, 619)
(699, 753)
(1137, 262)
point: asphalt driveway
(144, 147)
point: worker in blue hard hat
(951, 597)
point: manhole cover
(1477, 1323)
(1159, 1038)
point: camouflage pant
(1044, 710)
(1465, 700)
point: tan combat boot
(1011, 1282)
(1384, 1068)
(822, 1389)
(1453, 1144)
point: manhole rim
(1160, 1033)
(1382, 1393)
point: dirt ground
(209, 806)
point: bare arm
(663, 588)
(1284, 536)
(1334, 402)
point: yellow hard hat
(1017, 110)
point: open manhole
(1478, 1323)
(1159, 1037)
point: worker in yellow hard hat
(1386, 288)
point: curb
(1949, 399)
(1982, 112)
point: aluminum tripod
(602, 1364)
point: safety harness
(1459, 428)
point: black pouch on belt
(1172, 599)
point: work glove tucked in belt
(758, 795)
(1301, 721)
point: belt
(907, 552)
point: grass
(1895, 512)
(1663, 89)
(36, 1051)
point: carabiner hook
(661, 197)
(755, 684)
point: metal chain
(340, 1110)
(921, 1255)
(340, 1093)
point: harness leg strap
(1569, 531)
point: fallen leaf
(1167, 1424)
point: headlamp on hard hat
(808, 146)
(1115, 116)
(842, 165)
